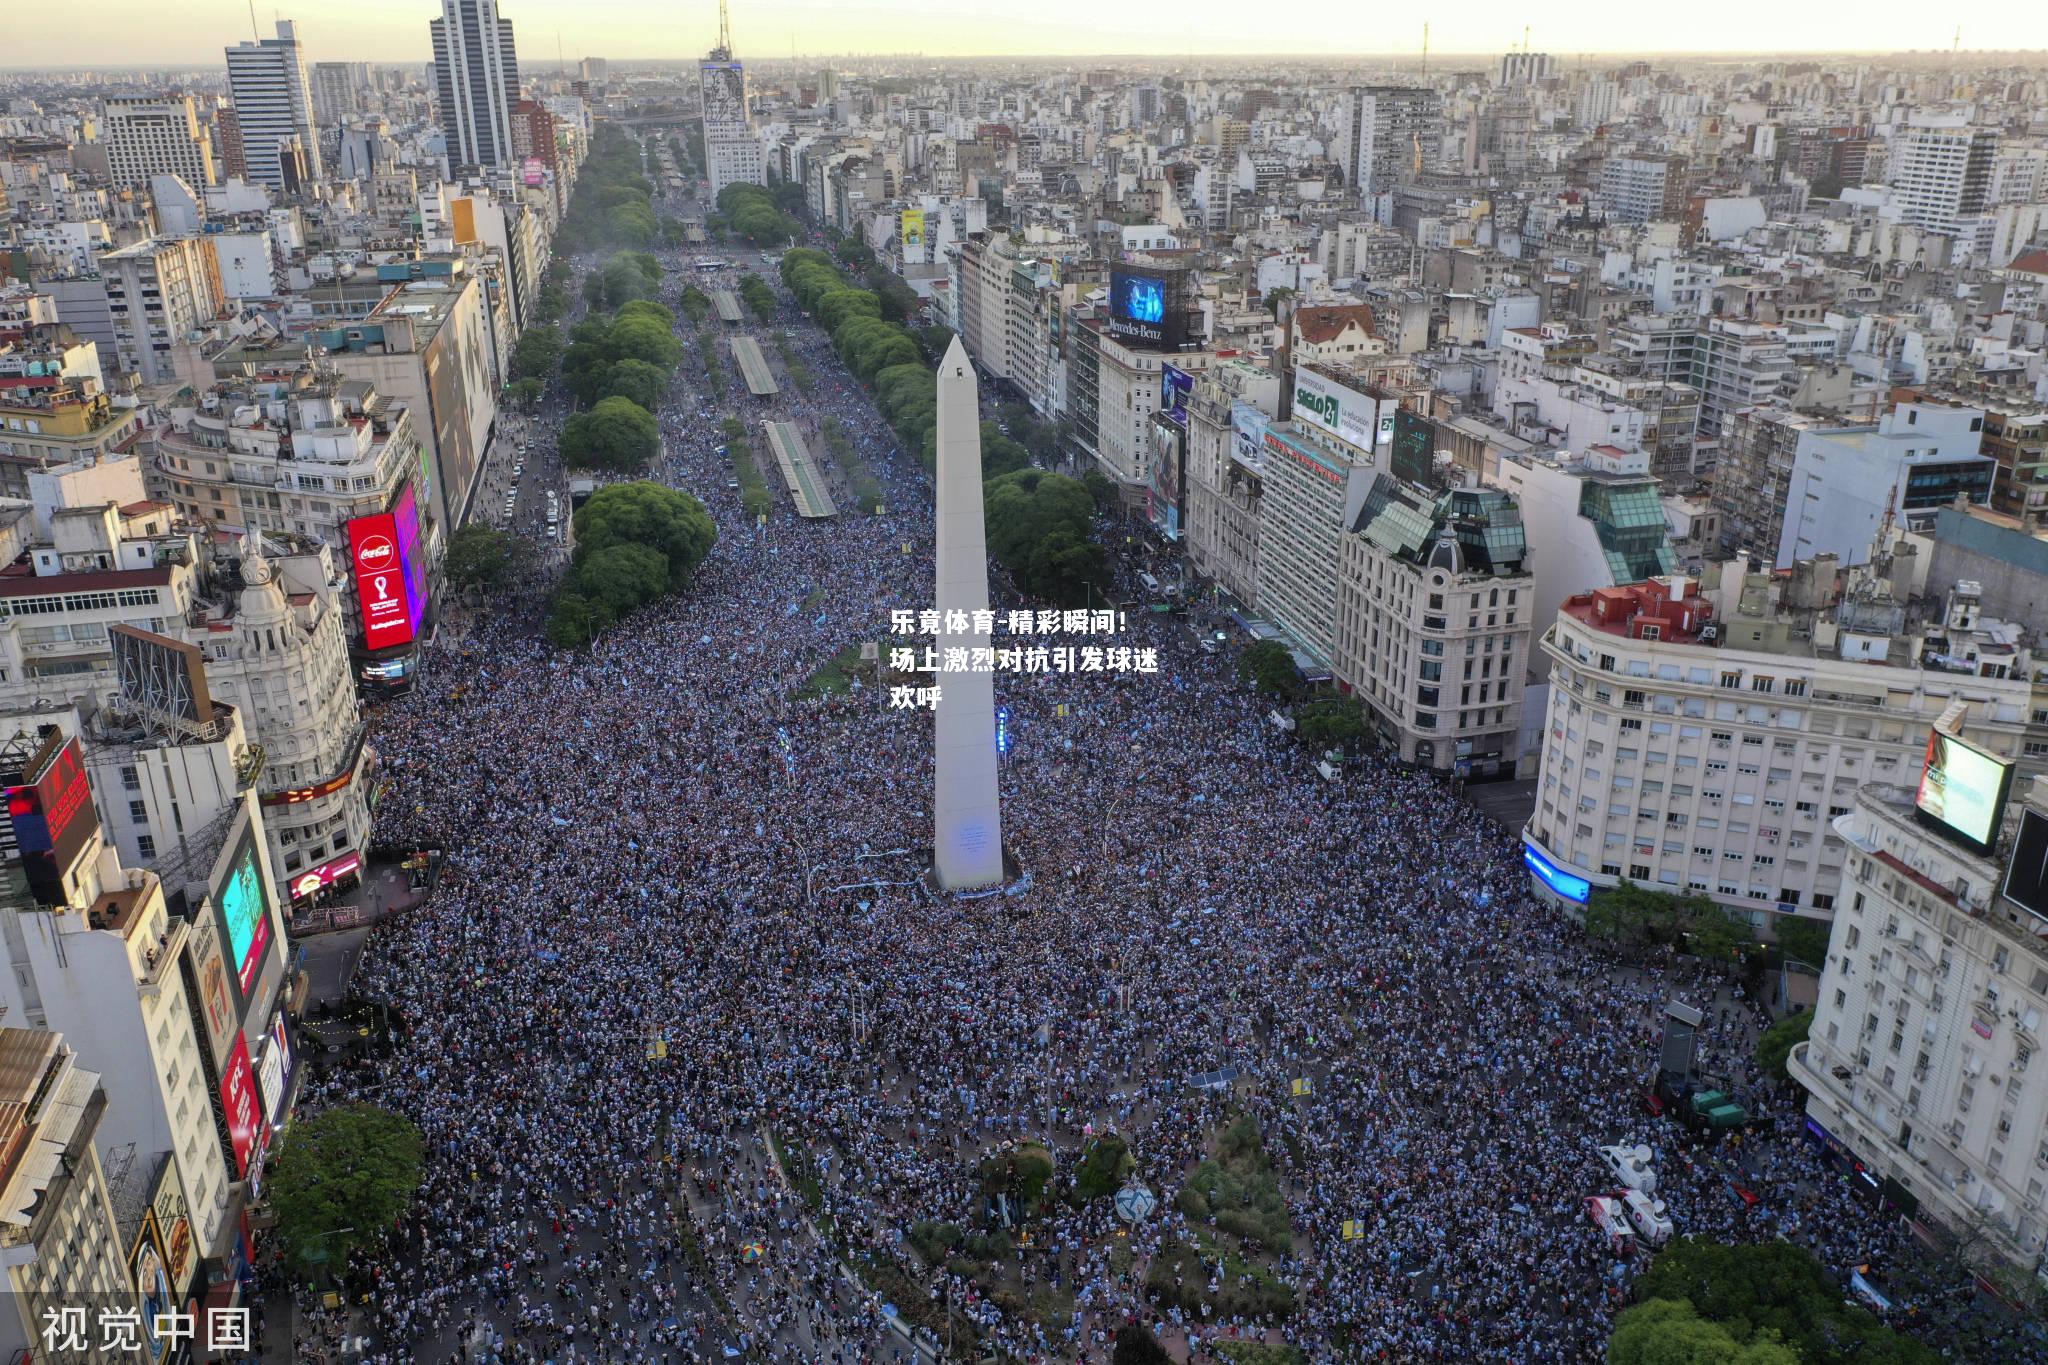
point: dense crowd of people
(681, 917)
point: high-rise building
(337, 90)
(1433, 623)
(1638, 189)
(58, 1240)
(234, 164)
(476, 76)
(274, 106)
(147, 137)
(1918, 1064)
(731, 151)
(1385, 131)
(1526, 68)
(1941, 168)
(159, 290)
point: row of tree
(635, 543)
(613, 204)
(751, 212)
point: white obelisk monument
(967, 815)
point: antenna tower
(724, 34)
(1425, 49)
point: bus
(709, 263)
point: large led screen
(380, 582)
(1963, 790)
(246, 912)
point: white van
(1611, 1218)
(1150, 584)
(1647, 1215)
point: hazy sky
(193, 32)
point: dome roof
(1447, 554)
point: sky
(190, 33)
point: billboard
(1338, 409)
(2026, 876)
(51, 813)
(274, 1071)
(239, 1105)
(1962, 791)
(216, 999)
(1414, 454)
(1247, 434)
(174, 1228)
(1140, 306)
(411, 562)
(723, 86)
(1175, 384)
(245, 911)
(911, 224)
(380, 582)
(162, 676)
(1165, 494)
(146, 1262)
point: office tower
(273, 104)
(731, 151)
(592, 69)
(147, 137)
(337, 90)
(1941, 168)
(1639, 189)
(476, 75)
(1386, 132)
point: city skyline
(132, 33)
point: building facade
(147, 137)
(476, 81)
(274, 109)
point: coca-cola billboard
(381, 582)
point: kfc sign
(380, 582)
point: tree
(536, 353)
(1804, 940)
(642, 338)
(479, 556)
(1669, 1332)
(1137, 1346)
(644, 308)
(1779, 1288)
(617, 434)
(1331, 723)
(1774, 1049)
(637, 380)
(575, 620)
(524, 393)
(696, 305)
(622, 577)
(664, 519)
(1102, 1169)
(1038, 524)
(1269, 668)
(1640, 916)
(999, 454)
(338, 1179)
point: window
(146, 846)
(138, 812)
(1731, 680)
(1762, 684)
(1795, 687)
(130, 779)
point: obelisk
(967, 815)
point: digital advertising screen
(51, 812)
(240, 1105)
(1137, 306)
(147, 1263)
(1175, 385)
(1962, 791)
(911, 223)
(411, 562)
(380, 582)
(245, 910)
(1414, 453)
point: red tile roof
(2032, 262)
(1328, 322)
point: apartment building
(1433, 623)
(1919, 1064)
(160, 136)
(47, 426)
(1311, 492)
(1637, 189)
(1703, 743)
(159, 291)
(1126, 395)
(297, 453)
(58, 1239)
(274, 110)
(1941, 169)
(1227, 473)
